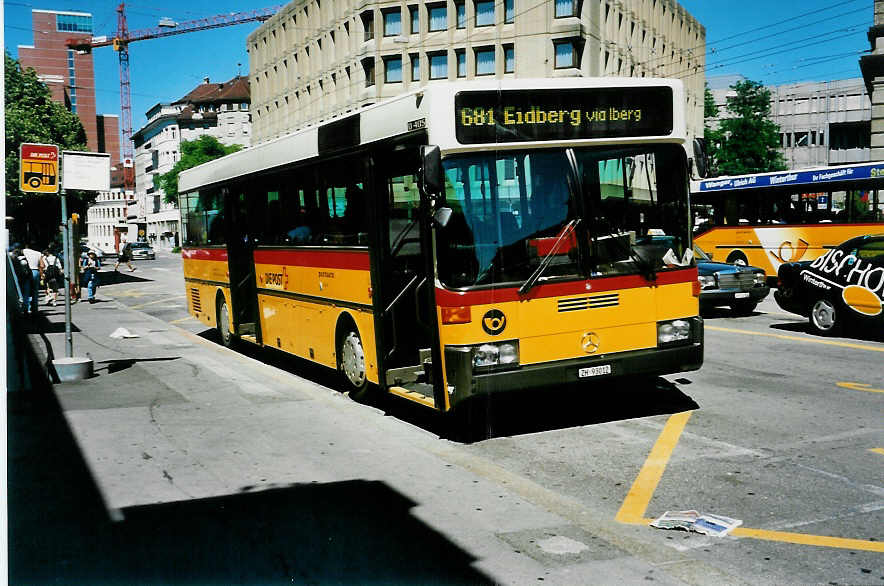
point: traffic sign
(39, 168)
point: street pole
(68, 274)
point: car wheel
(824, 318)
(351, 363)
(738, 258)
(744, 307)
(222, 323)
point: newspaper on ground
(121, 333)
(705, 523)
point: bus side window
(345, 201)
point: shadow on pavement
(507, 414)
(113, 366)
(345, 532)
(108, 276)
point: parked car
(141, 251)
(736, 285)
(842, 289)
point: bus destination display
(566, 114)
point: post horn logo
(493, 322)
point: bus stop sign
(39, 168)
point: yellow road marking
(635, 504)
(178, 321)
(878, 451)
(860, 387)
(797, 338)
(633, 508)
(155, 302)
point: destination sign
(562, 114)
(807, 177)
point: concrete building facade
(821, 123)
(69, 74)
(872, 66)
(221, 110)
(106, 223)
(316, 60)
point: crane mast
(120, 42)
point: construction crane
(166, 28)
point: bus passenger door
(405, 306)
(241, 262)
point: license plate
(594, 371)
(742, 295)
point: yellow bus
(768, 219)
(460, 240)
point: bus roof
(855, 176)
(430, 109)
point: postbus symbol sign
(39, 168)
(493, 322)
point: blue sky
(771, 41)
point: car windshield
(513, 209)
(140, 245)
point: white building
(315, 60)
(106, 219)
(217, 109)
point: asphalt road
(780, 429)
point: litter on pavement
(705, 523)
(120, 333)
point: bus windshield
(513, 210)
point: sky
(770, 41)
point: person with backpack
(52, 276)
(125, 256)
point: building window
(392, 23)
(461, 10)
(393, 69)
(415, 18)
(438, 17)
(509, 59)
(461, 62)
(484, 13)
(368, 68)
(566, 54)
(73, 23)
(565, 8)
(509, 11)
(439, 66)
(415, 67)
(368, 24)
(485, 61)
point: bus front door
(241, 264)
(406, 306)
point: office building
(316, 59)
(217, 109)
(70, 75)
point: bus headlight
(496, 354)
(673, 331)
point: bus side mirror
(441, 216)
(431, 170)
(700, 159)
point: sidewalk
(182, 462)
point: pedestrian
(90, 275)
(125, 256)
(52, 275)
(32, 300)
(22, 276)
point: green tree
(193, 153)
(747, 140)
(32, 117)
(711, 134)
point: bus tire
(737, 257)
(351, 361)
(222, 322)
(824, 318)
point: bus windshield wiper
(535, 276)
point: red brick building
(70, 74)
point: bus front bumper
(463, 382)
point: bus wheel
(223, 323)
(351, 362)
(824, 318)
(737, 258)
